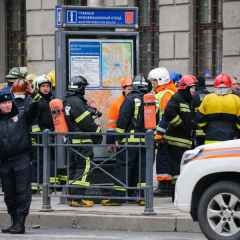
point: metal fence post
(149, 141)
(46, 201)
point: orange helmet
(187, 81)
(19, 86)
(223, 80)
(126, 81)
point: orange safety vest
(163, 94)
(113, 113)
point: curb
(136, 223)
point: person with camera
(81, 118)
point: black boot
(7, 230)
(19, 227)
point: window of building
(208, 37)
(16, 33)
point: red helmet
(223, 80)
(125, 82)
(187, 81)
(19, 86)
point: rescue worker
(219, 112)
(80, 117)
(42, 121)
(15, 155)
(112, 117)
(176, 127)
(131, 120)
(164, 89)
(113, 112)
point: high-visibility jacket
(218, 116)
(113, 113)
(131, 118)
(163, 94)
(80, 119)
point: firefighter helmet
(140, 83)
(19, 86)
(78, 82)
(223, 80)
(41, 80)
(187, 81)
(160, 74)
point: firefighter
(81, 118)
(113, 112)
(176, 127)
(112, 117)
(219, 112)
(15, 155)
(164, 89)
(42, 122)
(131, 120)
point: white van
(209, 189)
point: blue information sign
(98, 17)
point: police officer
(176, 127)
(15, 154)
(81, 118)
(131, 120)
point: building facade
(189, 36)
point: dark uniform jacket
(14, 133)
(80, 119)
(44, 118)
(179, 116)
(131, 118)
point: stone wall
(175, 35)
(40, 35)
(231, 38)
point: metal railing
(49, 141)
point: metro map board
(102, 62)
(122, 17)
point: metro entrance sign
(74, 16)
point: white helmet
(160, 74)
(42, 79)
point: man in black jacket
(177, 126)
(15, 154)
(42, 122)
(80, 117)
(131, 120)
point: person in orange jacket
(113, 113)
(112, 117)
(164, 89)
